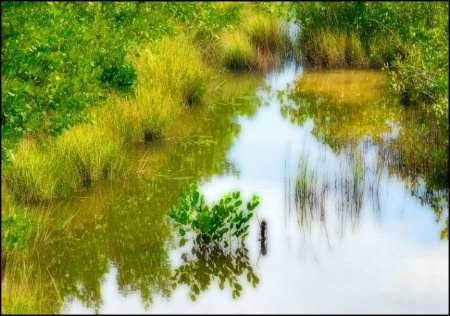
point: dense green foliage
(58, 58)
(219, 224)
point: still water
(346, 230)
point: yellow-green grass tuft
(91, 152)
(56, 167)
(265, 32)
(32, 176)
(169, 76)
(355, 53)
(324, 48)
(236, 50)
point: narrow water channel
(345, 234)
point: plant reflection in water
(218, 241)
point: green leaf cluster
(219, 223)
(17, 230)
(205, 18)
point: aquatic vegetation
(219, 224)
(213, 229)
(315, 194)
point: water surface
(345, 233)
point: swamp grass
(337, 49)
(262, 43)
(236, 49)
(57, 167)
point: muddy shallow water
(344, 232)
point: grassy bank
(74, 104)
(172, 74)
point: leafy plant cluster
(59, 58)
(206, 18)
(17, 230)
(217, 224)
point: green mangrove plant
(219, 223)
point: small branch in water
(263, 250)
(263, 226)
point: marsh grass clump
(260, 44)
(32, 176)
(237, 52)
(333, 49)
(145, 117)
(180, 67)
(170, 75)
(91, 152)
(324, 48)
(57, 167)
(264, 32)
(355, 53)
